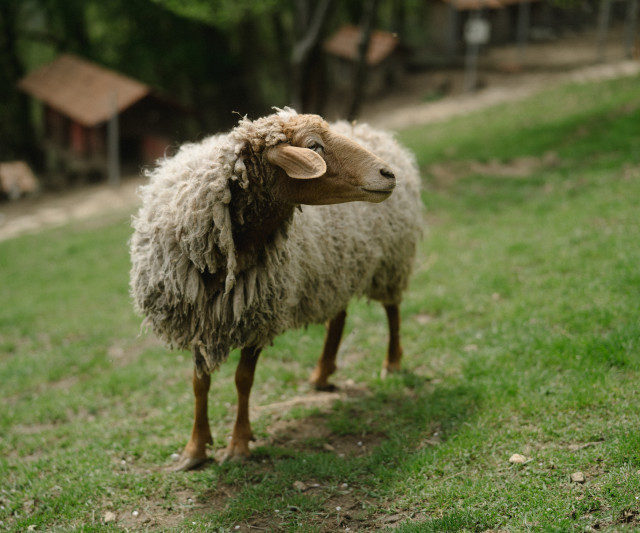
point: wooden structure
(382, 58)
(81, 98)
(509, 20)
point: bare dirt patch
(311, 434)
(154, 513)
(124, 351)
(446, 173)
(344, 391)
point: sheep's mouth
(379, 191)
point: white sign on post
(477, 31)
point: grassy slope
(521, 334)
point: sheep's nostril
(387, 173)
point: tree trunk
(399, 19)
(283, 47)
(16, 127)
(311, 26)
(360, 76)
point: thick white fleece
(187, 280)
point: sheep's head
(318, 166)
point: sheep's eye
(316, 147)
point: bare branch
(305, 45)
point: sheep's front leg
(327, 362)
(195, 452)
(239, 446)
(394, 352)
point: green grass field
(521, 335)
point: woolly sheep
(238, 240)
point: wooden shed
(383, 60)
(80, 98)
(447, 19)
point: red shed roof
(83, 91)
(344, 43)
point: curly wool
(197, 292)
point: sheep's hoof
(237, 451)
(187, 462)
(325, 387)
(390, 369)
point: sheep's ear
(298, 163)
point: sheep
(243, 236)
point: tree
(297, 32)
(360, 76)
(304, 66)
(16, 131)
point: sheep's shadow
(363, 430)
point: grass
(521, 334)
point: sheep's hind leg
(394, 352)
(239, 446)
(195, 452)
(327, 362)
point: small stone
(423, 319)
(29, 506)
(299, 485)
(134, 513)
(360, 443)
(175, 456)
(344, 485)
(109, 516)
(577, 477)
(517, 458)
(338, 508)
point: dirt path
(527, 85)
(56, 209)
(547, 65)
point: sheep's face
(322, 167)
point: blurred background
(93, 90)
(517, 409)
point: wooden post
(113, 144)
(630, 24)
(603, 27)
(471, 67)
(476, 33)
(524, 16)
(452, 33)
